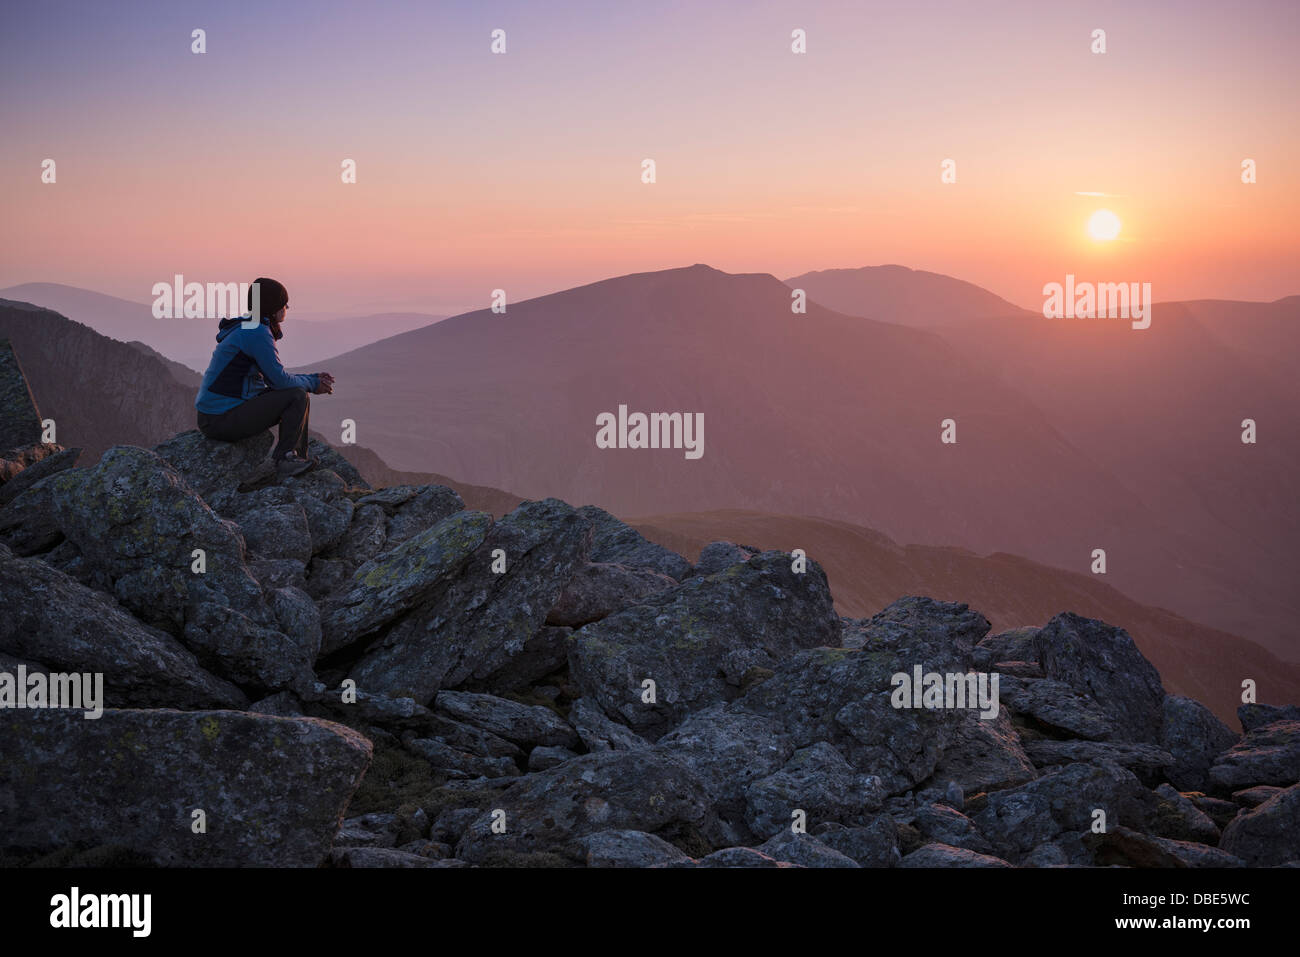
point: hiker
(246, 389)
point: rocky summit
(312, 672)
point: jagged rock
(719, 556)
(1254, 797)
(20, 422)
(282, 704)
(1126, 847)
(620, 544)
(15, 461)
(273, 789)
(698, 640)
(1139, 758)
(1014, 645)
(322, 495)
(1219, 811)
(629, 849)
(46, 615)
(483, 619)
(1056, 706)
(216, 470)
(644, 790)
(1194, 736)
(1103, 662)
(726, 750)
(1268, 835)
(945, 855)
(330, 459)
(1019, 819)
(383, 857)
(368, 830)
(28, 523)
(138, 525)
(875, 844)
(599, 733)
(544, 758)
(985, 754)
(1268, 754)
(392, 583)
(47, 465)
(425, 507)
(599, 589)
(1254, 716)
(520, 723)
(545, 652)
(740, 857)
(804, 850)
(457, 763)
(1181, 819)
(364, 539)
(923, 628)
(1045, 855)
(277, 532)
(944, 825)
(816, 780)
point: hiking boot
(293, 464)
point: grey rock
(943, 825)
(282, 704)
(1058, 707)
(1268, 835)
(614, 542)
(460, 764)
(48, 465)
(322, 495)
(482, 620)
(1268, 754)
(393, 583)
(1194, 736)
(1125, 847)
(544, 758)
(46, 616)
(697, 641)
(804, 850)
(818, 781)
(381, 857)
(425, 507)
(599, 589)
(1103, 662)
(629, 849)
(277, 532)
(368, 830)
(216, 470)
(1136, 757)
(874, 844)
(273, 789)
(1182, 820)
(544, 653)
(644, 790)
(945, 855)
(719, 556)
(1254, 797)
(740, 857)
(726, 750)
(985, 754)
(599, 733)
(1254, 716)
(1016, 644)
(520, 723)
(332, 460)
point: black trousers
(288, 407)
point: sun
(1103, 225)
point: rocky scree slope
(338, 675)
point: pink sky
(522, 171)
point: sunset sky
(522, 170)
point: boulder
(818, 781)
(1103, 662)
(599, 733)
(616, 543)
(1124, 847)
(216, 470)
(874, 844)
(273, 790)
(945, 855)
(1254, 716)
(277, 532)
(1014, 645)
(644, 790)
(55, 461)
(1056, 707)
(804, 850)
(599, 589)
(521, 723)
(394, 582)
(941, 824)
(719, 556)
(1195, 737)
(488, 611)
(45, 615)
(629, 849)
(1268, 835)
(698, 641)
(1268, 754)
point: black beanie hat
(274, 297)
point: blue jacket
(244, 365)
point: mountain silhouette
(910, 297)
